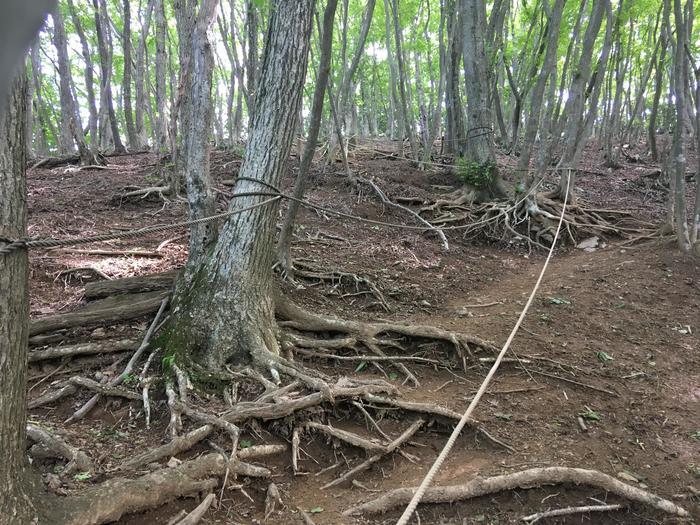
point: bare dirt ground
(613, 338)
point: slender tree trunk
(141, 78)
(537, 95)
(324, 68)
(574, 108)
(454, 113)
(226, 313)
(409, 122)
(89, 76)
(15, 494)
(679, 161)
(105, 48)
(394, 80)
(43, 122)
(128, 111)
(71, 128)
(161, 78)
(251, 58)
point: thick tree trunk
(481, 154)
(15, 500)
(251, 25)
(226, 313)
(324, 68)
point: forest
(349, 262)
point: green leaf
(604, 357)
(504, 417)
(558, 300)
(393, 376)
(245, 443)
(316, 510)
(361, 366)
(591, 415)
(82, 476)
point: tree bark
(404, 95)
(140, 78)
(226, 313)
(161, 131)
(15, 499)
(196, 136)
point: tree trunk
(537, 95)
(71, 128)
(404, 95)
(128, 112)
(43, 122)
(481, 156)
(226, 313)
(89, 76)
(196, 137)
(140, 78)
(161, 131)
(105, 48)
(574, 109)
(251, 25)
(679, 160)
(394, 80)
(324, 68)
(454, 113)
(15, 499)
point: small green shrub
(479, 176)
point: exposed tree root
(373, 336)
(114, 498)
(82, 349)
(144, 193)
(343, 284)
(568, 511)
(532, 219)
(49, 445)
(524, 479)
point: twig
(585, 385)
(534, 518)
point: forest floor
(616, 331)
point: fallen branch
(113, 253)
(524, 479)
(141, 283)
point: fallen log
(104, 311)
(141, 283)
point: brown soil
(633, 304)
